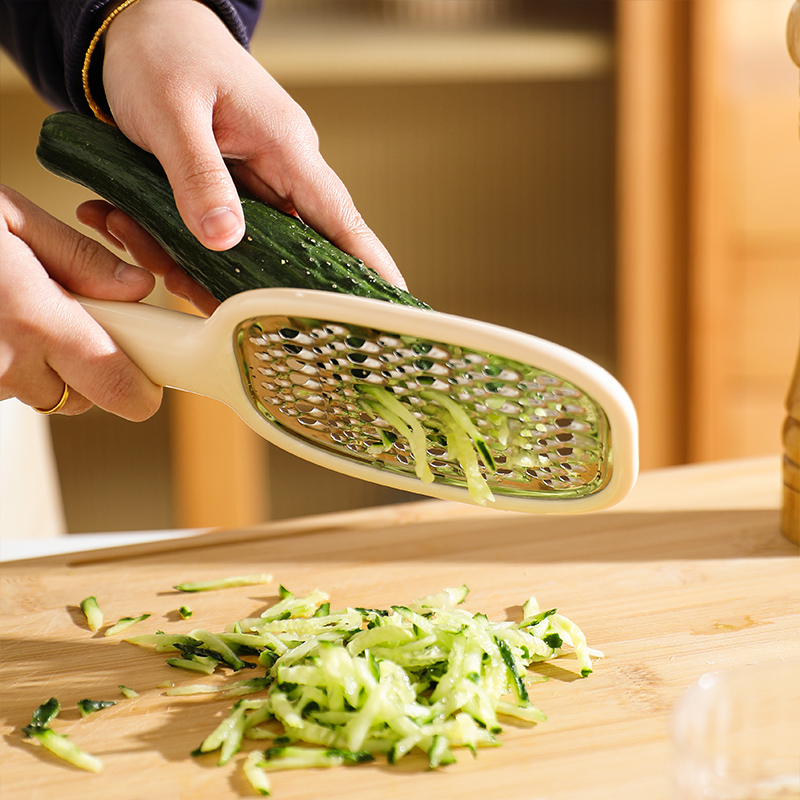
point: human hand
(47, 339)
(179, 85)
(118, 229)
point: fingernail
(118, 235)
(128, 273)
(220, 223)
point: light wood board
(668, 594)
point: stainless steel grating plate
(546, 436)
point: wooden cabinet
(709, 221)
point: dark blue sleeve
(48, 39)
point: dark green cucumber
(277, 249)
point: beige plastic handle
(174, 348)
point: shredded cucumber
(223, 583)
(204, 664)
(255, 774)
(399, 416)
(124, 623)
(58, 743)
(87, 706)
(92, 612)
(340, 687)
(231, 690)
(464, 442)
(461, 420)
(344, 686)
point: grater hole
(299, 379)
(542, 434)
(295, 364)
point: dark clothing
(49, 38)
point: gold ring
(59, 405)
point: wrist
(98, 104)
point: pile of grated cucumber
(344, 687)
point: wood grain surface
(666, 588)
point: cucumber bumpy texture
(277, 250)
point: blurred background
(619, 176)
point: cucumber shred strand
(59, 744)
(221, 583)
(92, 612)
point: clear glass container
(736, 735)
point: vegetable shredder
(410, 398)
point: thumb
(203, 187)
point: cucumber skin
(277, 250)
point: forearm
(49, 39)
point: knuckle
(116, 387)
(12, 204)
(122, 393)
(198, 178)
(82, 254)
(307, 132)
(294, 135)
(351, 223)
(356, 226)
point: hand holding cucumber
(205, 102)
(124, 232)
(180, 85)
(46, 338)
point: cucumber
(277, 249)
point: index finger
(323, 202)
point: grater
(414, 399)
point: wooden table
(689, 575)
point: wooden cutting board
(667, 594)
